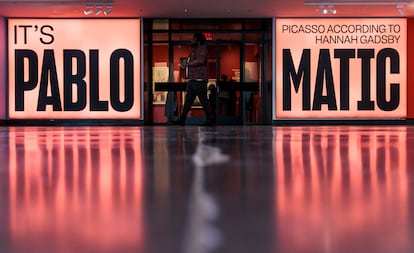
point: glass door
(181, 50)
(240, 70)
(228, 55)
(224, 84)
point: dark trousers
(196, 89)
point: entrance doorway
(237, 86)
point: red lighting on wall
(208, 36)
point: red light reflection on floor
(75, 189)
(341, 188)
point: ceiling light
(357, 3)
(98, 10)
(107, 11)
(88, 5)
(400, 10)
(399, 4)
(108, 8)
(87, 11)
(324, 10)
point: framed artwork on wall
(160, 74)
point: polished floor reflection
(207, 189)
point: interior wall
(410, 67)
(3, 68)
(230, 59)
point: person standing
(196, 67)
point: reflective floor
(203, 189)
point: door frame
(169, 31)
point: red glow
(208, 36)
(335, 184)
(82, 186)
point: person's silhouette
(197, 73)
